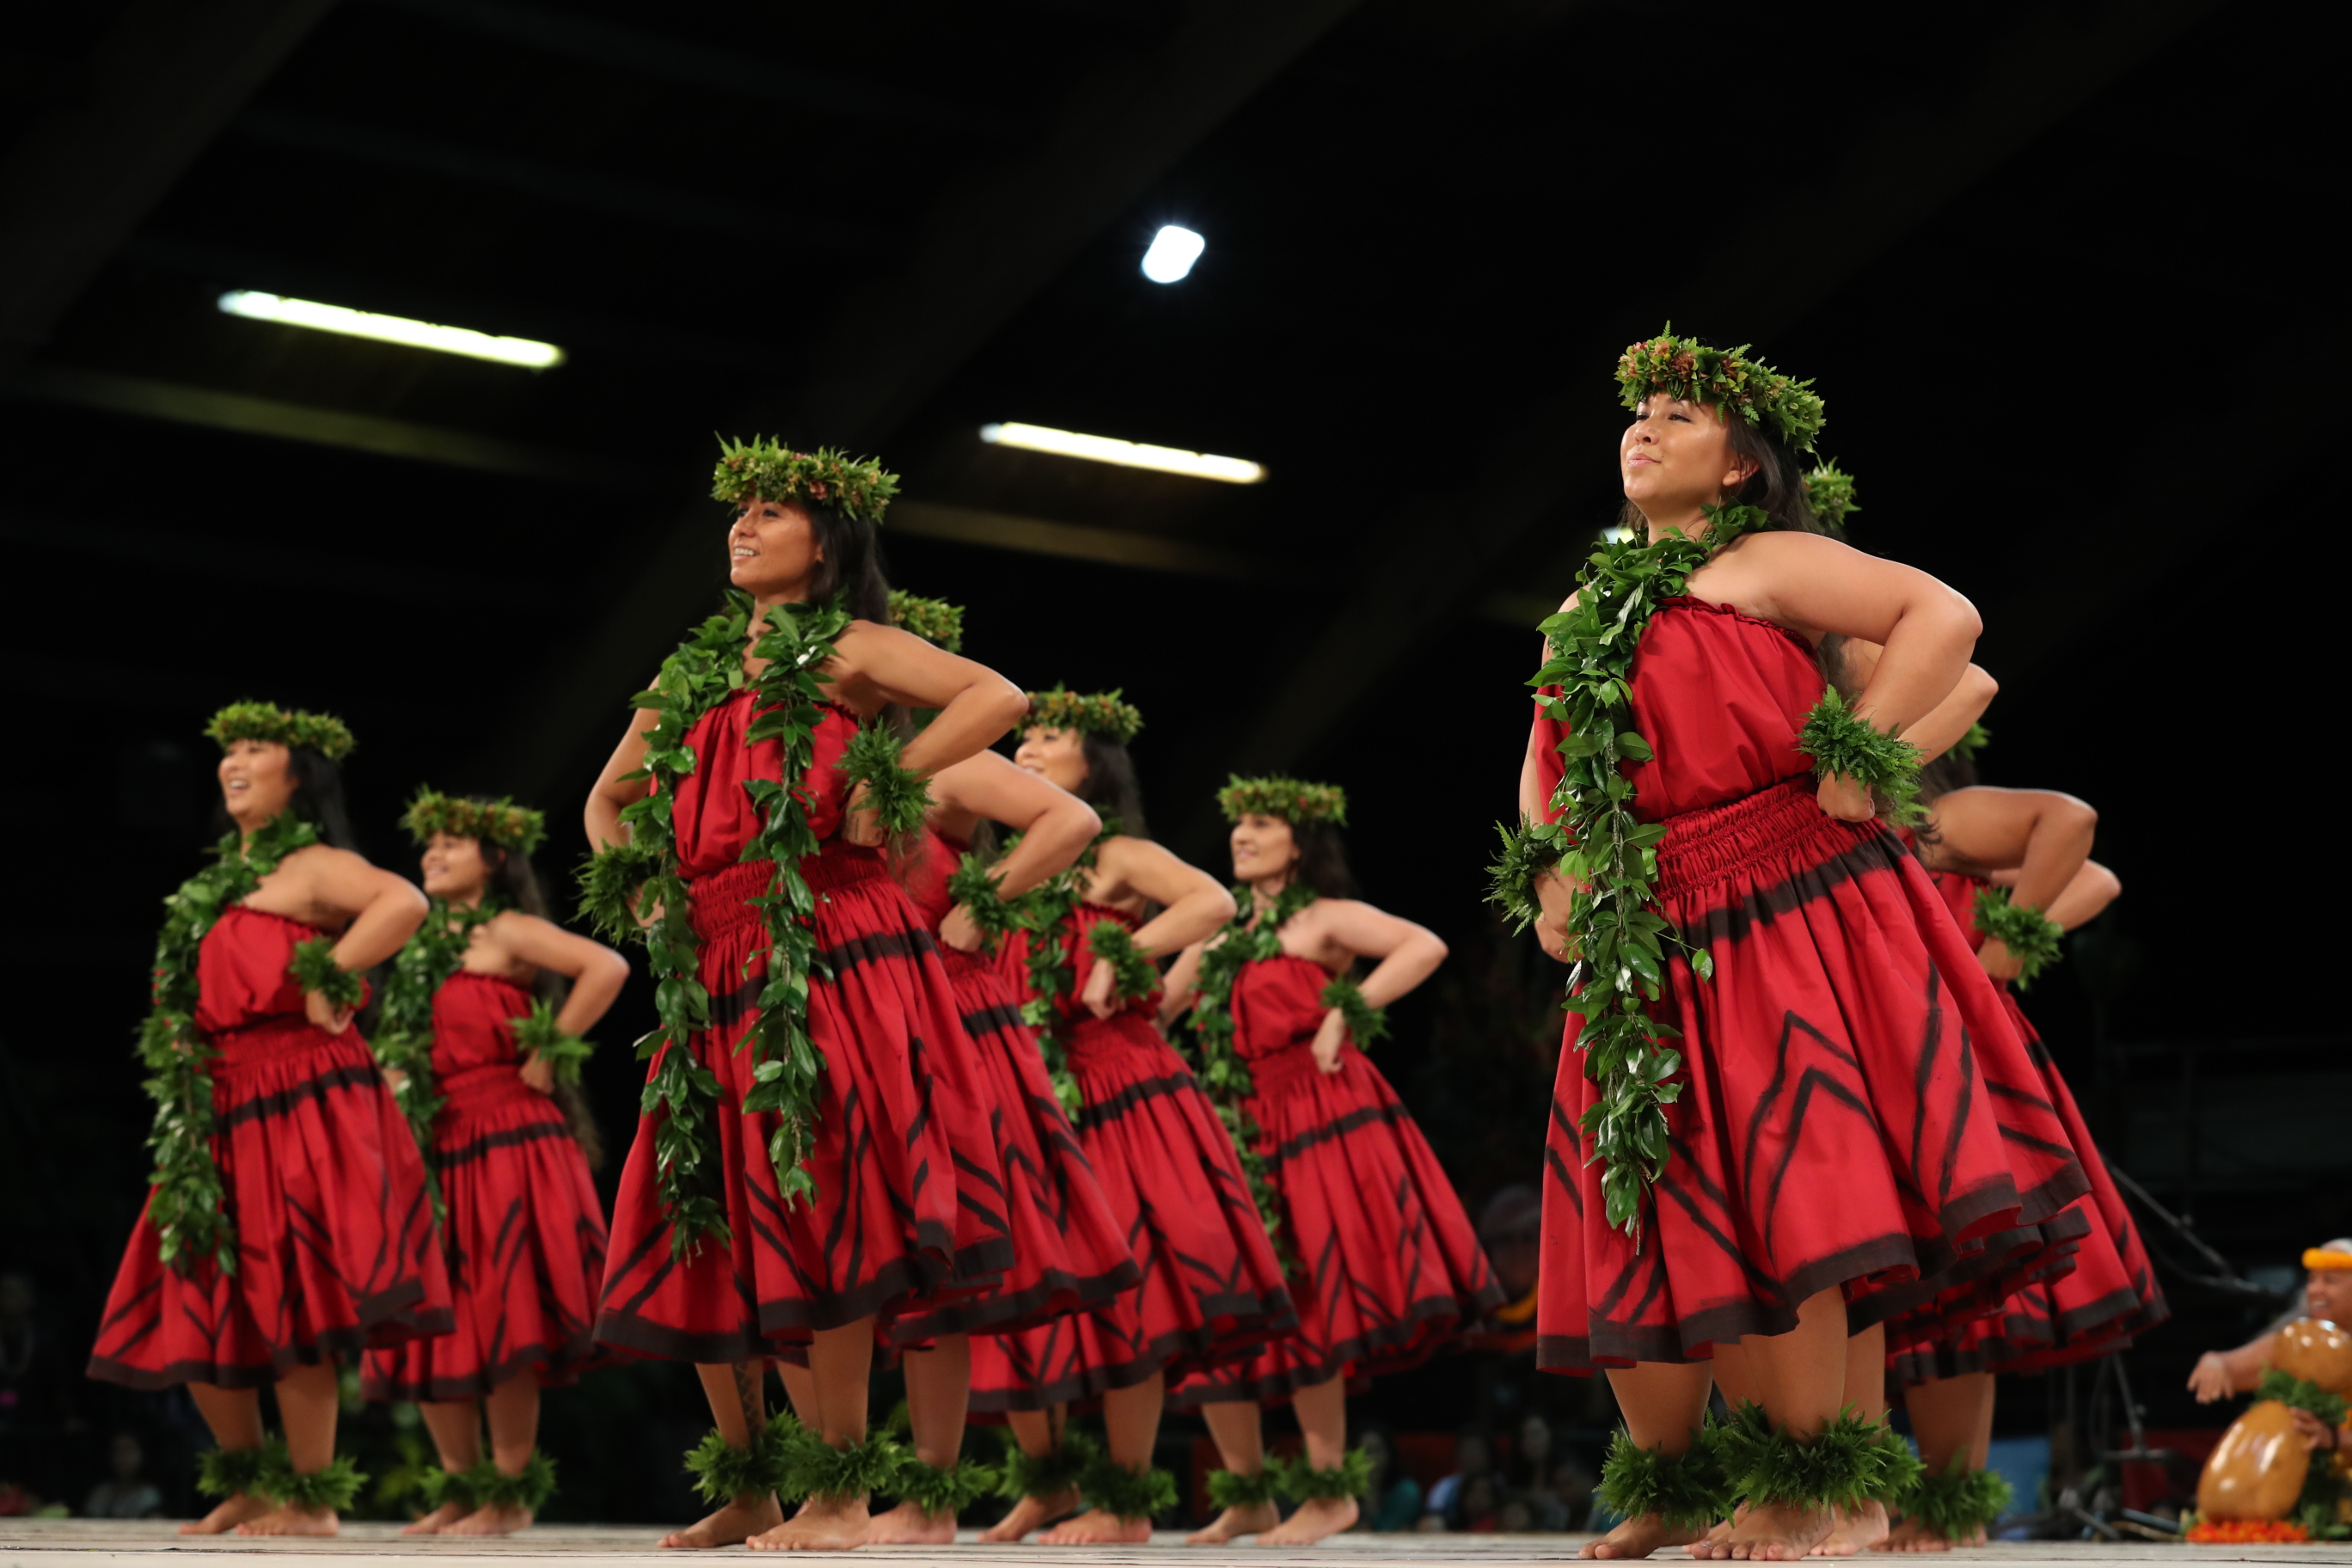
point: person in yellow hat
(2326, 1294)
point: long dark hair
(513, 881)
(852, 565)
(1111, 787)
(318, 798)
(1322, 860)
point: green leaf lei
(898, 798)
(536, 1034)
(707, 668)
(2032, 938)
(975, 887)
(1365, 1022)
(189, 1206)
(1610, 856)
(1043, 911)
(404, 1032)
(2302, 1393)
(1841, 742)
(1222, 1073)
(1115, 945)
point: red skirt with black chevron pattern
(909, 1207)
(1211, 1290)
(336, 1249)
(1835, 1128)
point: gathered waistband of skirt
(475, 1087)
(1703, 846)
(722, 899)
(270, 1039)
(1286, 1069)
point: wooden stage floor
(99, 1543)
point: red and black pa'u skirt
(336, 1249)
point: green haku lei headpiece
(322, 732)
(1688, 370)
(500, 822)
(1829, 490)
(935, 621)
(1088, 713)
(859, 488)
(1292, 800)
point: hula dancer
(487, 1067)
(1384, 1264)
(2015, 870)
(1070, 1252)
(288, 1228)
(1211, 1290)
(1767, 1104)
(793, 1174)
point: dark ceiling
(2027, 250)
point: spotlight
(259, 307)
(1173, 251)
(1127, 454)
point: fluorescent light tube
(1127, 454)
(257, 306)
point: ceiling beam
(165, 78)
(1786, 263)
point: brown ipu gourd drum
(2257, 1471)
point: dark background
(2059, 270)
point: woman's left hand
(959, 930)
(858, 822)
(1328, 1041)
(325, 1013)
(1099, 993)
(1998, 962)
(1846, 799)
(539, 1073)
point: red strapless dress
(1070, 1253)
(911, 1201)
(336, 1249)
(1212, 1290)
(525, 1233)
(1835, 1127)
(2111, 1293)
(1386, 1265)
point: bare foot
(1778, 1533)
(1855, 1530)
(737, 1522)
(289, 1520)
(439, 1519)
(1312, 1521)
(234, 1510)
(492, 1518)
(908, 1525)
(1236, 1522)
(1913, 1536)
(1639, 1537)
(1096, 1528)
(826, 1524)
(1031, 1513)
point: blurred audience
(126, 1493)
(1394, 1502)
(1474, 1459)
(36, 1384)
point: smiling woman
(288, 1227)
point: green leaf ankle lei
(404, 1035)
(1686, 1491)
(334, 1488)
(707, 668)
(225, 1472)
(314, 969)
(189, 1207)
(529, 1488)
(1222, 1073)
(1610, 857)
(1045, 1475)
(1043, 911)
(947, 1489)
(2032, 938)
(1302, 1483)
(723, 1472)
(835, 1475)
(1232, 1489)
(1839, 742)
(1126, 1494)
(537, 1035)
(1845, 1466)
(1959, 1503)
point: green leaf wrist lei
(1365, 1022)
(2032, 938)
(1839, 743)
(897, 798)
(314, 969)
(974, 886)
(190, 1208)
(537, 1035)
(1610, 855)
(1115, 945)
(787, 1068)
